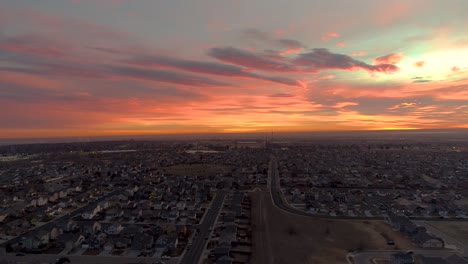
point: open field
(197, 169)
(281, 237)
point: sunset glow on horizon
(122, 67)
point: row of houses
(417, 234)
(102, 237)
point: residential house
(39, 238)
(3, 215)
(109, 245)
(122, 242)
(114, 212)
(425, 240)
(70, 240)
(430, 260)
(226, 259)
(142, 242)
(181, 205)
(90, 228)
(131, 231)
(41, 201)
(222, 250)
(70, 226)
(55, 232)
(32, 243)
(63, 193)
(53, 197)
(114, 229)
(401, 258)
(173, 215)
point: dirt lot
(280, 237)
(197, 170)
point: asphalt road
(61, 219)
(194, 253)
(278, 201)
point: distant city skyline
(78, 68)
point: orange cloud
(393, 58)
(419, 64)
(344, 104)
(402, 105)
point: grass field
(197, 170)
(281, 237)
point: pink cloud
(279, 32)
(327, 36)
(359, 54)
(419, 64)
(291, 51)
(393, 58)
(34, 45)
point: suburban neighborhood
(197, 202)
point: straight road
(280, 202)
(194, 253)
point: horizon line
(92, 138)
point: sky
(142, 67)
